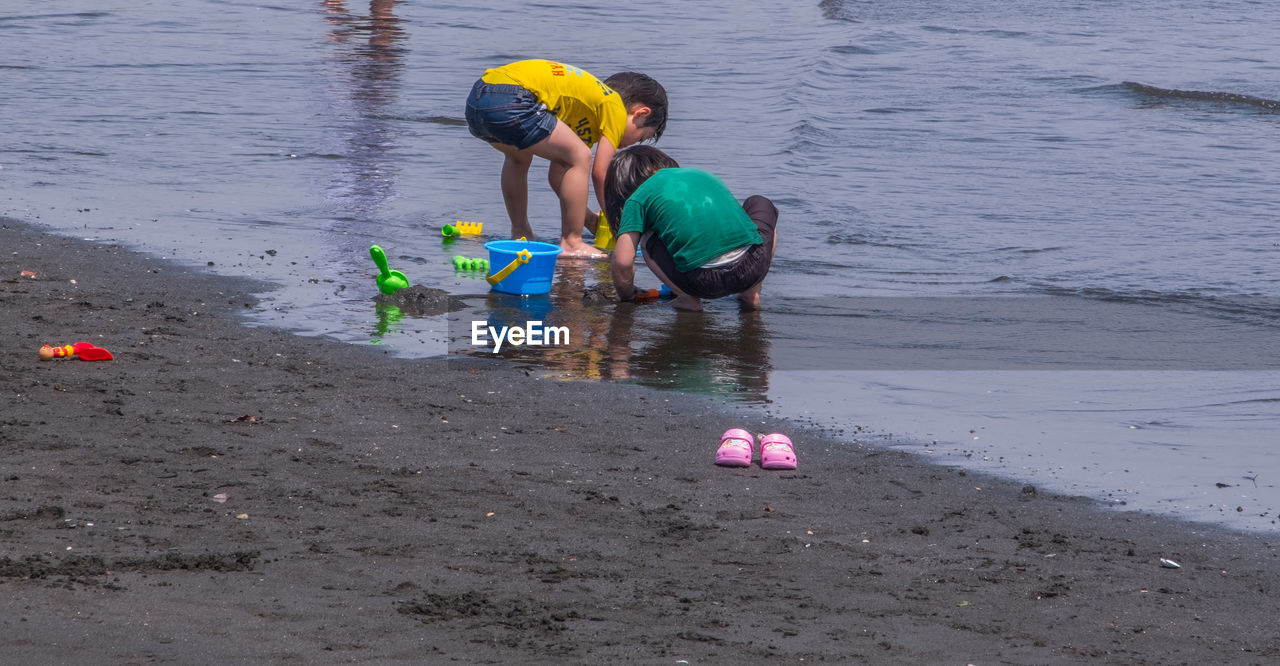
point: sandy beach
(224, 493)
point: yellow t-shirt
(577, 98)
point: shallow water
(1049, 224)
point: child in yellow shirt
(558, 112)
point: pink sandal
(777, 452)
(736, 447)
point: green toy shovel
(389, 281)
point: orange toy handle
(48, 353)
(646, 296)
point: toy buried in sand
(389, 281)
(81, 350)
(461, 263)
(461, 228)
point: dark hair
(637, 88)
(629, 168)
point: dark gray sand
(220, 493)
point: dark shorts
(734, 278)
(507, 114)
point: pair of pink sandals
(737, 447)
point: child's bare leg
(572, 159)
(515, 189)
(682, 301)
(751, 297)
(555, 176)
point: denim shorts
(507, 114)
(733, 278)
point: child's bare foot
(580, 250)
(686, 302)
(750, 299)
(521, 232)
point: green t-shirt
(693, 213)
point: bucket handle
(522, 257)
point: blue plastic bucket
(529, 279)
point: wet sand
(219, 492)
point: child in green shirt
(693, 233)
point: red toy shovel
(81, 350)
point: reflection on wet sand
(388, 317)
(368, 60)
(653, 345)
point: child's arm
(623, 265)
(600, 168)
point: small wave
(1013, 34)
(860, 239)
(833, 10)
(807, 134)
(1248, 401)
(852, 49)
(45, 17)
(1258, 311)
(1018, 249)
(443, 120)
(1204, 96)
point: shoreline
(234, 492)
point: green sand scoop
(389, 281)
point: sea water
(1033, 238)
